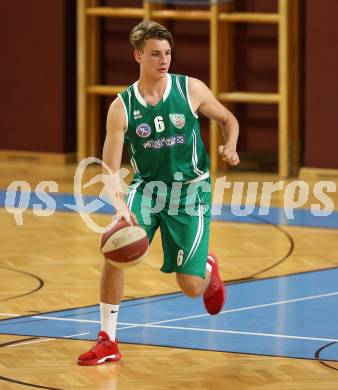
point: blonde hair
(148, 29)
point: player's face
(155, 57)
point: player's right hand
(128, 216)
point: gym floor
(278, 329)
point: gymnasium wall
(37, 77)
(321, 85)
(255, 58)
(190, 56)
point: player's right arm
(113, 144)
(112, 155)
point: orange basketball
(124, 245)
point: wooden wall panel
(256, 68)
(37, 77)
(321, 85)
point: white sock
(209, 267)
(109, 315)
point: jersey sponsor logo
(143, 130)
(164, 142)
(137, 114)
(178, 120)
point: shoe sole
(100, 361)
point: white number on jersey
(159, 124)
(180, 255)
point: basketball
(124, 245)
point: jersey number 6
(159, 124)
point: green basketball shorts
(182, 212)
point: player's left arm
(204, 101)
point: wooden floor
(63, 253)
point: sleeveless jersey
(164, 139)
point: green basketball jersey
(164, 139)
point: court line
(238, 332)
(75, 335)
(199, 330)
(187, 317)
(41, 284)
(64, 319)
(156, 324)
(28, 342)
(42, 340)
(244, 308)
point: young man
(157, 118)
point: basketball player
(157, 119)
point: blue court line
(292, 316)
(276, 215)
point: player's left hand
(228, 154)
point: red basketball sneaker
(214, 296)
(103, 351)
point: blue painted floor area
(91, 204)
(292, 316)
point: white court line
(155, 324)
(237, 332)
(188, 317)
(27, 342)
(42, 340)
(75, 335)
(64, 319)
(241, 309)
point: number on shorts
(180, 255)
